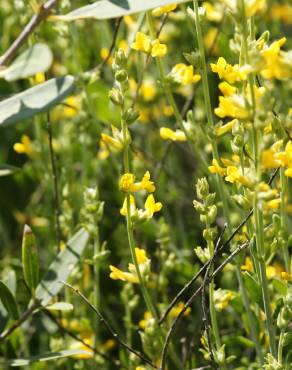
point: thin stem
(37, 18)
(96, 291)
(57, 208)
(280, 347)
(259, 227)
(171, 100)
(108, 326)
(130, 230)
(283, 186)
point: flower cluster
(146, 45)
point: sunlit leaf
(38, 58)
(35, 100)
(30, 259)
(6, 169)
(253, 289)
(61, 267)
(8, 301)
(106, 9)
(46, 357)
(60, 306)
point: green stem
(280, 347)
(96, 291)
(259, 227)
(130, 230)
(171, 99)
(283, 186)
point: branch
(106, 323)
(20, 321)
(37, 18)
(203, 268)
(78, 339)
(55, 182)
(206, 280)
(189, 302)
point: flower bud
(202, 188)
(130, 116)
(121, 76)
(116, 96)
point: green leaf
(8, 301)
(37, 58)
(46, 357)
(106, 9)
(253, 289)
(30, 259)
(61, 267)
(6, 169)
(280, 286)
(60, 306)
(35, 100)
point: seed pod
(30, 262)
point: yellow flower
(230, 73)
(113, 143)
(109, 344)
(215, 168)
(167, 110)
(285, 159)
(123, 210)
(233, 175)
(251, 6)
(222, 298)
(88, 353)
(282, 12)
(129, 21)
(276, 63)
(163, 9)
(24, 147)
(142, 43)
(247, 265)
(270, 158)
(39, 78)
(214, 13)
(222, 130)
(273, 204)
(210, 40)
(175, 311)
(128, 185)
(148, 90)
(104, 53)
(158, 50)
(234, 105)
(286, 276)
(226, 89)
(151, 207)
(117, 274)
(183, 74)
(131, 276)
(168, 134)
(146, 321)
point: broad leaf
(61, 267)
(60, 306)
(8, 301)
(46, 357)
(37, 58)
(6, 169)
(30, 259)
(35, 100)
(106, 9)
(253, 289)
